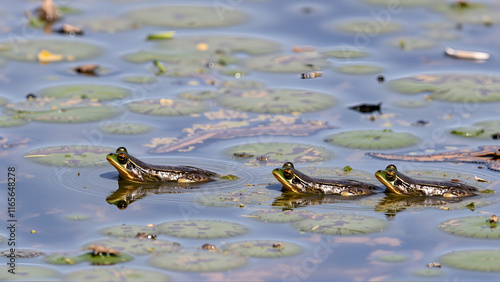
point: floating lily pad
(193, 58)
(27, 50)
(142, 79)
(276, 101)
(428, 272)
(280, 216)
(464, 88)
(116, 274)
(109, 25)
(199, 95)
(372, 139)
(470, 12)
(138, 246)
(442, 34)
(369, 27)
(78, 217)
(279, 153)
(341, 224)
(188, 16)
(482, 130)
(293, 63)
(183, 70)
(359, 69)
(29, 273)
(22, 253)
(71, 156)
(404, 3)
(93, 259)
(472, 226)
(126, 128)
(264, 248)
(236, 199)
(412, 43)
(127, 230)
(7, 121)
(166, 107)
(412, 103)
(478, 260)
(84, 91)
(392, 258)
(200, 261)
(242, 84)
(344, 53)
(62, 111)
(202, 229)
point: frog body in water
(398, 183)
(298, 182)
(133, 169)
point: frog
(295, 181)
(132, 169)
(398, 183)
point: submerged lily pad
(472, 226)
(369, 27)
(344, 53)
(116, 274)
(236, 199)
(70, 50)
(293, 63)
(71, 156)
(482, 130)
(468, 12)
(411, 43)
(138, 246)
(478, 260)
(166, 107)
(109, 25)
(276, 101)
(372, 139)
(93, 259)
(392, 258)
(202, 229)
(412, 103)
(264, 248)
(341, 224)
(84, 91)
(197, 261)
(280, 216)
(78, 217)
(29, 273)
(126, 128)
(242, 84)
(359, 69)
(141, 79)
(127, 230)
(279, 153)
(428, 272)
(199, 95)
(188, 16)
(464, 88)
(7, 121)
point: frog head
(124, 164)
(289, 178)
(391, 180)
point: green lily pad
(66, 259)
(276, 101)
(116, 274)
(412, 43)
(463, 88)
(109, 24)
(7, 121)
(341, 224)
(392, 258)
(62, 111)
(236, 72)
(127, 230)
(359, 69)
(481, 130)
(202, 229)
(166, 107)
(369, 27)
(183, 70)
(242, 84)
(292, 63)
(279, 153)
(236, 199)
(27, 50)
(78, 217)
(188, 16)
(412, 103)
(141, 79)
(137, 246)
(404, 3)
(468, 12)
(264, 248)
(478, 260)
(472, 226)
(125, 128)
(71, 156)
(280, 216)
(344, 53)
(84, 91)
(161, 35)
(199, 95)
(197, 261)
(192, 58)
(372, 139)
(428, 272)
(29, 273)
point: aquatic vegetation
(86, 91)
(392, 258)
(69, 155)
(137, 246)
(472, 226)
(477, 260)
(344, 53)
(359, 69)
(98, 259)
(166, 107)
(412, 43)
(128, 231)
(198, 261)
(369, 27)
(280, 216)
(8, 121)
(125, 128)
(264, 248)
(200, 228)
(27, 272)
(372, 139)
(483, 130)
(341, 224)
(287, 63)
(199, 95)
(251, 197)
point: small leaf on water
(481, 180)
(161, 35)
(470, 206)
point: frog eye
(391, 166)
(121, 150)
(390, 175)
(288, 174)
(122, 158)
(289, 164)
(121, 205)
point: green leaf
(161, 35)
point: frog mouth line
(387, 185)
(121, 171)
(286, 185)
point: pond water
(229, 81)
